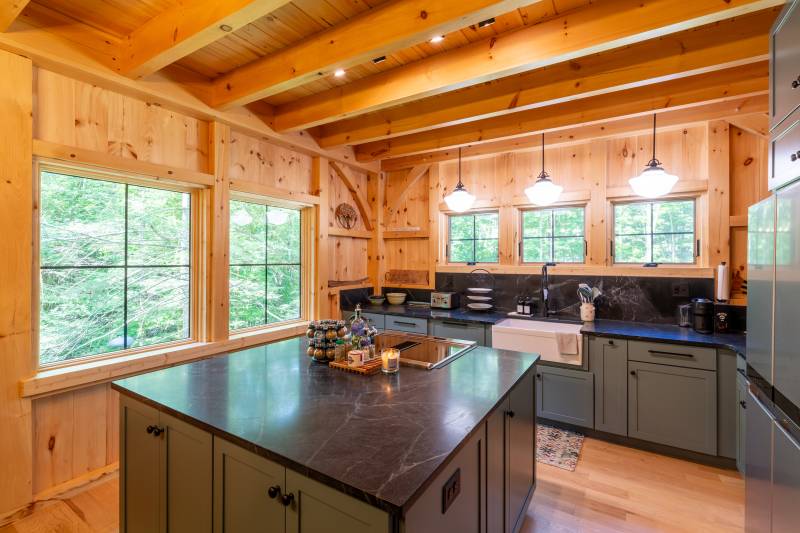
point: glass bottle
(358, 324)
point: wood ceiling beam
(667, 120)
(600, 27)
(713, 47)
(9, 11)
(186, 28)
(757, 123)
(376, 32)
(723, 84)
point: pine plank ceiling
(478, 85)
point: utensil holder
(587, 312)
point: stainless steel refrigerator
(772, 444)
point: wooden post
(433, 223)
(718, 205)
(320, 184)
(599, 231)
(217, 263)
(16, 279)
(376, 189)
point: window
(265, 264)
(473, 238)
(553, 235)
(654, 232)
(114, 266)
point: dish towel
(567, 343)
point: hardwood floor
(613, 489)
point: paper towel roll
(723, 283)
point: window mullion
(125, 276)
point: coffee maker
(703, 315)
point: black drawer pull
(405, 323)
(671, 354)
(459, 324)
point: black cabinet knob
(287, 499)
(538, 376)
(150, 429)
(796, 83)
(633, 373)
(510, 414)
(611, 342)
(273, 491)
(154, 430)
(743, 404)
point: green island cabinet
(176, 477)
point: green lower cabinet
(454, 329)
(673, 405)
(608, 361)
(247, 491)
(166, 477)
(565, 395)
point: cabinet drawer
(784, 154)
(673, 354)
(785, 65)
(411, 325)
(565, 395)
(379, 321)
(453, 329)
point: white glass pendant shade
(241, 218)
(460, 199)
(653, 182)
(543, 192)
(277, 216)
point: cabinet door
(785, 65)
(565, 395)
(741, 421)
(247, 490)
(140, 475)
(453, 329)
(786, 480)
(187, 459)
(495, 469)
(316, 508)
(521, 461)
(673, 405)
(758, 499)
(608, 361)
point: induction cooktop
(422, 350)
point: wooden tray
(367, 369)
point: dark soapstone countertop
(483, 317)
(666, 333)
(379, 438)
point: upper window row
(644, 232)
(116, 266)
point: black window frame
(552, 237)
(694, 232)
(474, 240)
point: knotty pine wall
(721, 165)
(54, 441)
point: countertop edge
(708, 344)
(316, 475)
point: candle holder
(390, 360)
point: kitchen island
(267, 440)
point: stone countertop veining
(482, 317)
(378, 438)
(667, 333)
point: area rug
(558, 447)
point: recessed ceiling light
(339, 72)
(226, 28)
(379, 59)
(437, 39)
(487, 22)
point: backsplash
(638, 299)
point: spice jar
(340, 353)
(319, 352)
(342, 331)
(310, 349)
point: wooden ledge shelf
(353, 233)
(393, 235)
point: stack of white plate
(480, 299)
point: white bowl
(480, 307)
(396, 298)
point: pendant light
(654, 181)
(459, 200)
(544, 191)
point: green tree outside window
(553, 235)
(474, 238)
(655, 232)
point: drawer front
(784, 154)
(673, 354)
(565, 395)
(410, 325)
(453, 329)
(785, 65)
(379, 321)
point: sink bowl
(537, 336)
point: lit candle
(390, 360)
